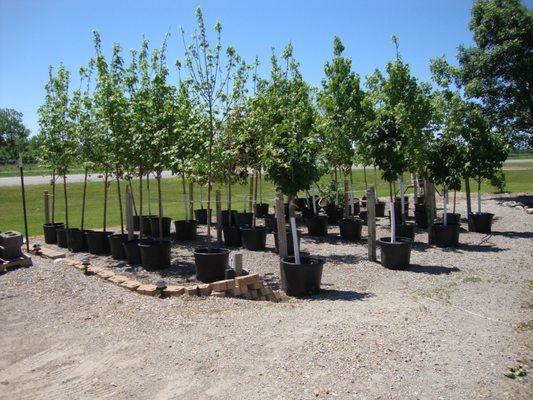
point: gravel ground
(447, 328)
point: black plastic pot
(50, 235)
(420, 200)
(363, 216)
(261, 210)
(300, 203)
(380, 209)
(334, 213)
(116, 242)
(155, 254)
(290, 246)
(146, 225)
(244, 219)
(446, 236)
(406, 230)
(398, 208)
(76, 239)
(62, 237)
(98, 242)
(317, 225)
(232, 235)
(350, 228)
(254, 238)
(154, 226)
(395, 255)
(421, 218)
(133, 251)
(480, 222)
(356, 208)
(211, 264)
(225, 219)
(271, 223)
(136, 222)
(85, 241)
(201, 216)
(303, 279)
(185, 230)
(451, 218)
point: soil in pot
(185, 230)
(261, 210)
(225, 218)
(271, 223)
(146, 226)
(201, 216)
(254, 238)
(75, 240)
(446, 236)
(350, 228)
(244, 219)
(232, 236)
(133, 251)
(154, 226)
(62, 237)
(395, 255)
(290, 246)
(98, 242)
(303, 279)
(480, 222)
(116, 242)
(155, 254)
(50, 235)
(334, 214)
(317, 225)
(211, 264)
(406, 230)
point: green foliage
(291, 150)
(13, 135)
(498, 180)
(446, 160)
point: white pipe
(479, 200)
(148, 190)
(314, 202)
(444, 206)
(402, 200)
(295, 241)
(186, 205)
(393, 223)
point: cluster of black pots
(406, 230)
(98, 242)
(480, 222)
(77, 239)
(201, 216)
(154, 226)
(155, 254)
(301, 279)
(271, 223)
(350, 228)
(61, 234)
(446, 236)
(50, 234)
(185, 230)
(211, 264)
(395, 255)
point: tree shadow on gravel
(513, 235)
(431, 269)
(339, 295)
(476, 248)
(342, 259)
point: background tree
(13, 135)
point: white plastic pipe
(444, 207)
(479, 200)
(295, 241)
(402, 200)
(393, 223)
(351, 200)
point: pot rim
(153, 242)
(253, 229)
(400, 240)
(317, 261)
(206, 252)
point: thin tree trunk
(120, 202)
(364, 175)
(140, 203)
(376, 184)
(160, 201)
(454, 200)
(184, 189)
(256, 186)
(105, 201)
(83, 199)
(479, 195)
(415, 186)
(260, 186)
(336, 188)
(66, 202)
(229, 201)
(392, 216)
(148, 193)
(53, 196)
(201, 196)
(132, 197)
(251, 193)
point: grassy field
(11, 203)
(8, 170)
(516, 155)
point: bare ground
(446, 328)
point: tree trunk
(132, 198)
(260, 187)
(392, 216)
(479, 195)
(251, 193)
(184, 190)
(454, 200)
(53, 196)
(105, 200)
(120, 202)
(160, 201)
(468, 198)
(364, 175)
(83, 199)
(336, 188)
(66, 202)
(229, 201)
(376, 184)
(140, 203)
(148, 193)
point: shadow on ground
(340, 295)
(431, 269)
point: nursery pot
(380, 209)
(406, 230)
(317, 225)
(356, 208)
(420, 200)
(232, 235)
(62, 237)
(254, 238)
(302, 279)
(98, 242)
(211, 264)
(363, 216)
(76, 239)
(300, 203)
(446, 236)
(50, 236)
(155, 254)
(395, 255)
(146, 228)
(244, 219)
(133, 251)
(261, 210)
(225, 219)
(451, 218)
(398, 208)
(154, 226)
(421, 218)
(185, 230)
(334, 213)
(85, 240)
(136, 222)
(290, 246)
(350, 228)
(201, 216)
(481, 222)
(116, 242)
(271, 223)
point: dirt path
(446, 328)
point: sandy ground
(446, 328)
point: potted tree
(210, 71)
(290, 159)
(49, 141)
(343, 108)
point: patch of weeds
(515, 372)
(442, 293)
(530, 284)
(525, 326)
(472, 279)
(4, 382)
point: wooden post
(46, 207)
(346, 198)
(191, 200)
(129, 214)
(237, 263)
(282, 233)
(219, 216)
(371, 222)
(429, 194)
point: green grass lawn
(30, 170)
(11, 216)
(514, 155)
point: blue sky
(37, 33)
